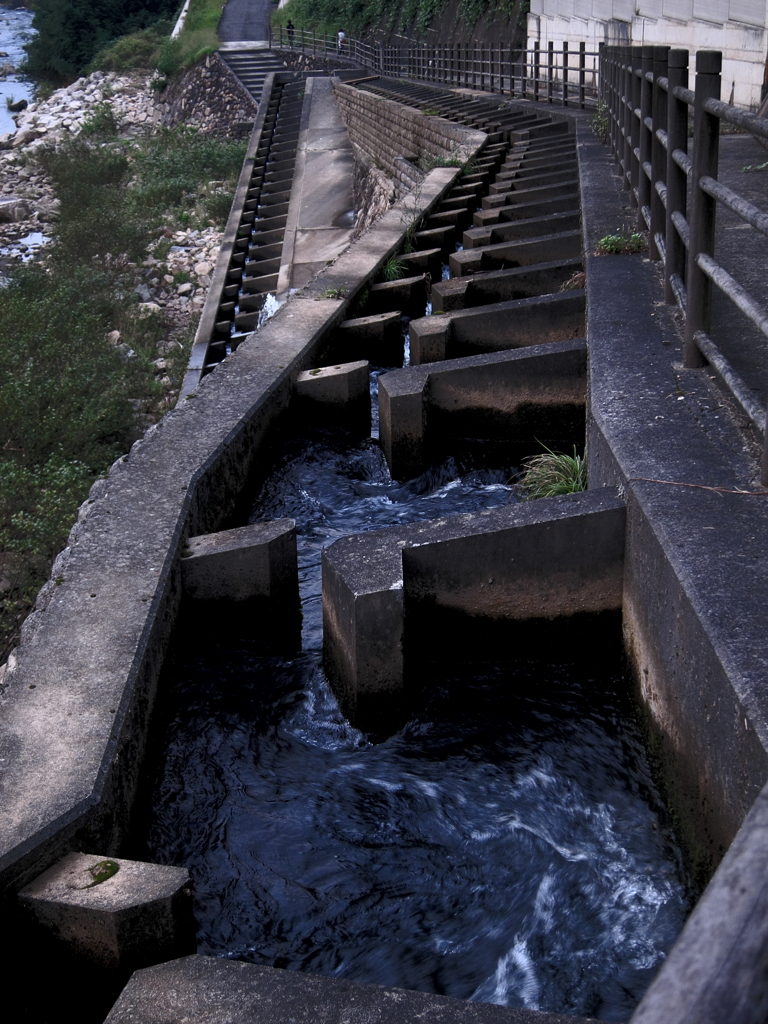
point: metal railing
(565, 76)
(646, 90)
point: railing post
(635, 102)
(677, 180)
(550, 69)
(565, 73)
(523, 74)
(582, 72)
(536, 70)
(659, 117)
(646, 109)
(706, 145)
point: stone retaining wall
(209, 97)
(395, 137)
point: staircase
(252, 67)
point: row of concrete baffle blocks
(500, 358)
(254, 265)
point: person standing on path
(289, 30)
(341, 40)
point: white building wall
(736, 27)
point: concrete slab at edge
(206, 990)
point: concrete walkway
(245, 20)
(320, 215)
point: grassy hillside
(360, 17)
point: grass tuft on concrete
(553, 473)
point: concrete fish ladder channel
(81, 687)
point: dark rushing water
(506, 845)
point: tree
(71, 32)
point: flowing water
(15, 26)
(506, 845)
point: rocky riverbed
(174, 281)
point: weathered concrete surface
(717, 971)
(525, 227)
(557, 246)
(697, 569)
(245, 20)
(379, 338)
(547, 559)
(334, 385)
(80, 688)
(203, 990)
(320, 214)
(503, 285)
(535, 394)
(247, 562)
(338, 394)
(493, 328)
(140, 914)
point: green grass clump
(616, 245)
(394, 269)
(553, 473)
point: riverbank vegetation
(75, 37)
(78, 351)
(391, 15)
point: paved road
(245, 20)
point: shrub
(101, 120)
(600, 123)
(137, 51)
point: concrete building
(736, 27)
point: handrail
(646, 90)
(550, 75)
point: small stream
(15, 25)
(507, 845)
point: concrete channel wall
(665, 451)
(79, 690)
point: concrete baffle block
(337, 395)
(114, 913)
(256, 561)
(532, 563)
(334, 385)
(379, 338)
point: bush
(137, 51)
